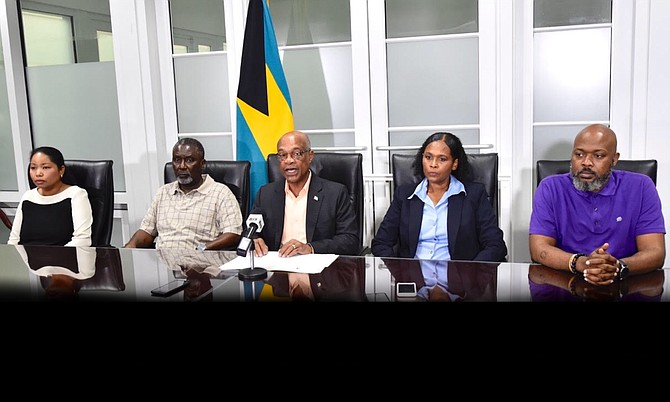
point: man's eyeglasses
(297, 154)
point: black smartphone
(170, 288)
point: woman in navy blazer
(446, 216)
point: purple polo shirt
(582, 221)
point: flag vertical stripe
(264, 110)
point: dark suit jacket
(471, 225)
(331, 223)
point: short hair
(462, 172)
(52, 153)
(192, 142)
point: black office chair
(234, 174)
(339, 167)
(97, 178)
(644, 166)
(484, 170)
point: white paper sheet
(308, 263)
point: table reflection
(65, 271)
(199, 267)
(550, 285)
(446, 281)
(342, 281)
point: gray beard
(185, 181)
(594, 186)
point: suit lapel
(277, 206)
(415, 218)
(314, 202)
(454, 218)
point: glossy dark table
(34, 273)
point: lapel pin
(316, 198)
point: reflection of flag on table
(263, 101)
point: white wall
(657, 114)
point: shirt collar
(455, 187)
(203, 189)
(303, 190)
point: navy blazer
(472, 226)
(331, 223)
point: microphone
(253, 273)
(254, 224)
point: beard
(594, 186)
(185, 181)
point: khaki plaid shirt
(180, 220)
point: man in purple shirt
(595, 221)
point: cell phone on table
(170, 288)
(405, 289)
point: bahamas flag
(264, 110)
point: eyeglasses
(296, 154)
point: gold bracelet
(571, 286)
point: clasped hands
(601, 267)
(288, 249)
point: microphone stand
(252, 273)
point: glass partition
(71, 79)
(7, 162)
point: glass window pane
(553, 142)
(48, 38)
(321, 86)
(74, 107)
(549, 13)
(7, 162)
(201, 85)
(303, 22)
(105, 46)
(179, 49)
(217, 148)
(329, 139)
(416, 138)
(433, 82)
(430, 17)
(572, 75)
(198, 23)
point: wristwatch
(623, 269)
(201, 247)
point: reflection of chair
(97, 178)
(5, 219)
(342, 168)
(108, 272)
(484, 170)
(645, 166)
(234, 174)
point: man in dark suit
(304, 213)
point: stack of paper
(308, 263)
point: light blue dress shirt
(433, 241)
